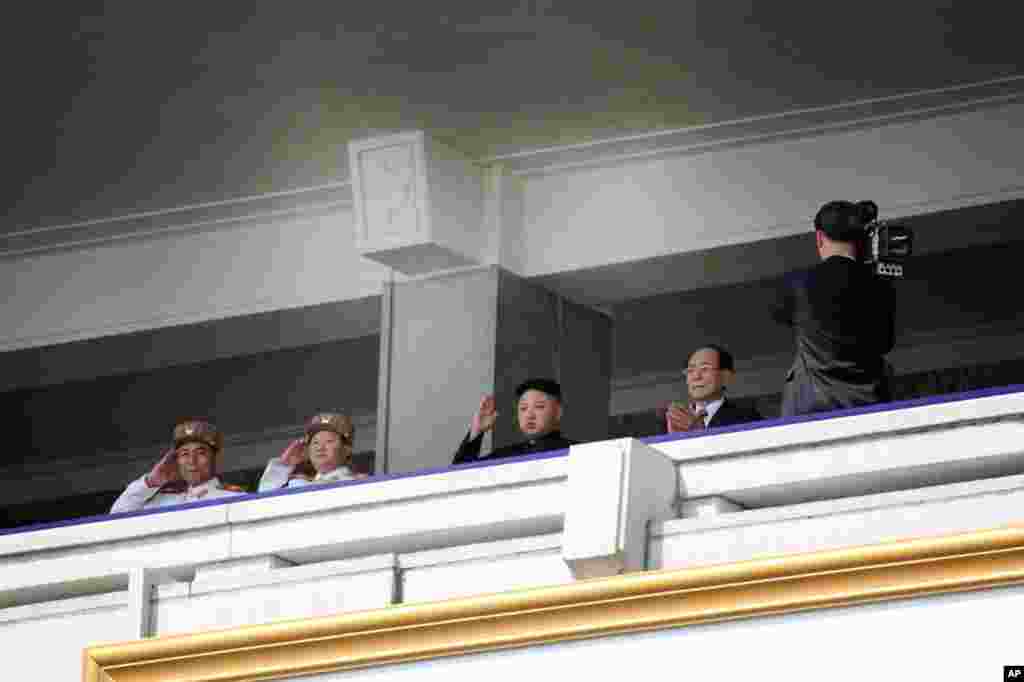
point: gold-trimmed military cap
(330, 421)
(198, 431)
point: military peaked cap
(198, 431)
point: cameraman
(842, 315)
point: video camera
(883, 244)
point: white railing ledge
(116, 528)
(413, 525)
(786, 434)
(275, 505)
(785, 462)
(847, 469)
(400, 489)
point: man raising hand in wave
(539, 411)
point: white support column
(140, 600)
(615, 488)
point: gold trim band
(629, 603)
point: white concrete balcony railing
(916, 469)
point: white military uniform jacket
(279, 475)
(138, 495)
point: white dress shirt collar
(710, 409)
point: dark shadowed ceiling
(114, 107)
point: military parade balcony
(904, 471)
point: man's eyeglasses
(700, 369)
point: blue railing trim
(764, 423)
(848, 412)
(115, 516)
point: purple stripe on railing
(848, 412)
(100, 518)
(764, 423)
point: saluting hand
(485, 418)
(295, 453)
(165, 471)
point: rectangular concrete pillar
(450, 338)
(542, 334)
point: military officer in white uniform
(186, 472)
(323, 456)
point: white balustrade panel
(322, 589)
(173, 543)
(484, 568)
(45, 641)
(836, 524)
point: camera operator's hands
(165, 471)
(679, 418)
(485, 418)
(295, 453)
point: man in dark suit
(539, 410)
(708, 373)
(842, 315)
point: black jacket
(469, 450)
(842, 315)
(729, 413)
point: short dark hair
(724, 357)
(546, 386)
(844, 221)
